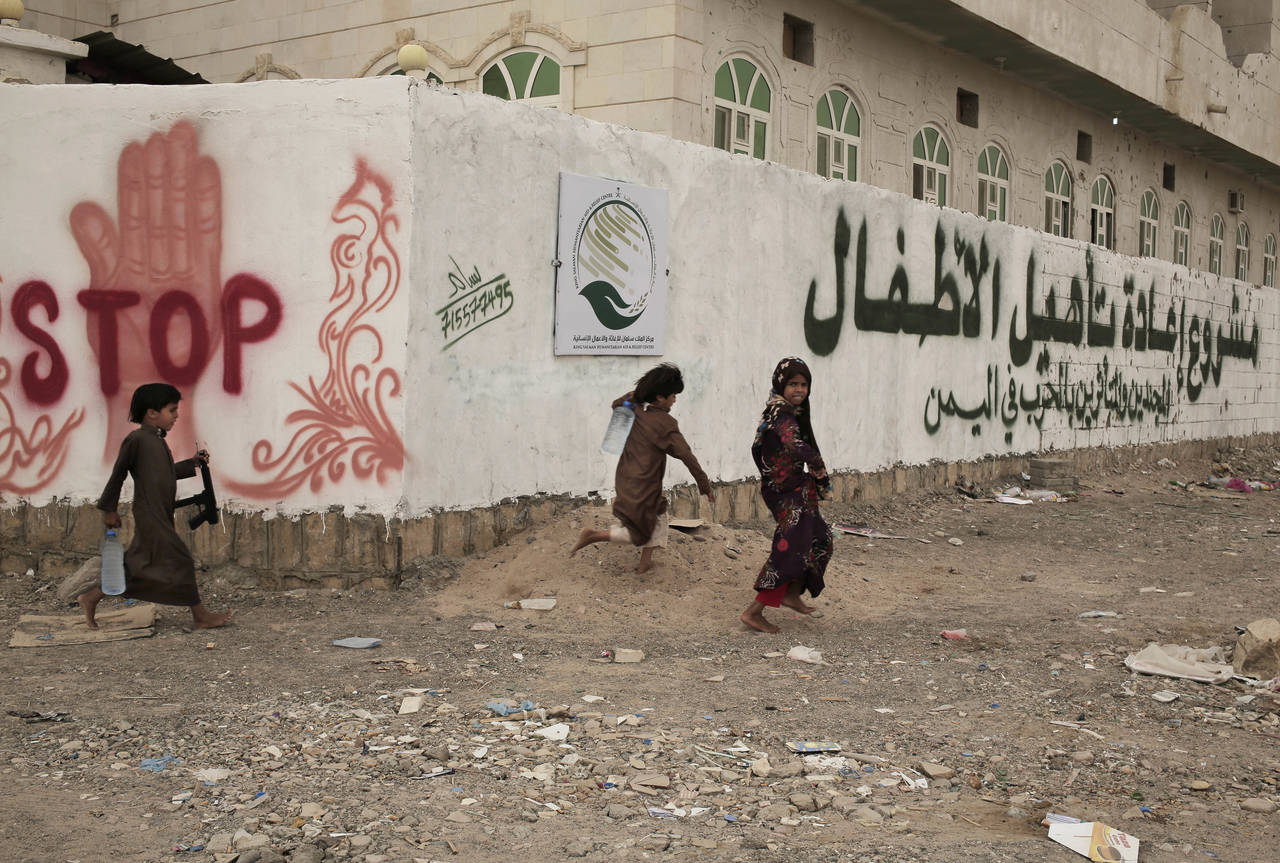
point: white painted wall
(497, 415)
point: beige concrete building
(1148, 126)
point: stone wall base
(332, 550)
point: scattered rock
(243, 840)
(867, 815)
(776, 812)
(306, 854)
(1259, 805)
(935, 771)
(804, 802)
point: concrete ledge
(328, 550)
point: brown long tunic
(638, 480)
(158, 566)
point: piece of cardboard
(805, 746)
(55, 630)
(687, 525)
(1097, 841)
(869, 532)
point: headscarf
(776, 405)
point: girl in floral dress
(802, 542)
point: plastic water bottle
(619, 427)
(112, 564)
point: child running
(158, 566)
(640, 505)
(802, 541)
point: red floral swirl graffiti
(29, 461)
(345, 422)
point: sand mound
(700, 581)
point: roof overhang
(957, 29)
(114, 61)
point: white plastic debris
(811, 655)
(556, 733)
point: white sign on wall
(611, 287)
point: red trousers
(772, 598)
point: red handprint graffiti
(156, 304)
(346, 421)
(30, 460)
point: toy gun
(206, 499)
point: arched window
(1148, 223)
(1216, 229)
(743, 102)
(1102, 213)
(1057, 200)
(993, 183)
(1182, 233)
(839, 136)
(1269, 260)
(528, 75)
(1242, 252)
(930, 165)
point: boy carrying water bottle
(158, 565)
(640, 505)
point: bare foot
(756, 621)
(646, 560)
(587, 537)
(89, 602)
(793, 602)
(210, 620)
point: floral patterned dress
(802, 541)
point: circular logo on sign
(615, 259)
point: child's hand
(711, 496)
(201, 456)
(111, 519)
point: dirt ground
(683, 756)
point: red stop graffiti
(156, 305)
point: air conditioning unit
(1235, 201)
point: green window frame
(1057, 200)
(1148, 223)
(1242, 251)
(1182, 234)
(743, 102)
(1102, 213)
(930, 166)
(839, 135)
(1217, 229)
(993, 184)
(529, 76)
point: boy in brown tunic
(158, 566)
(640, 505)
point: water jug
(619, 427)
(112, 564)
